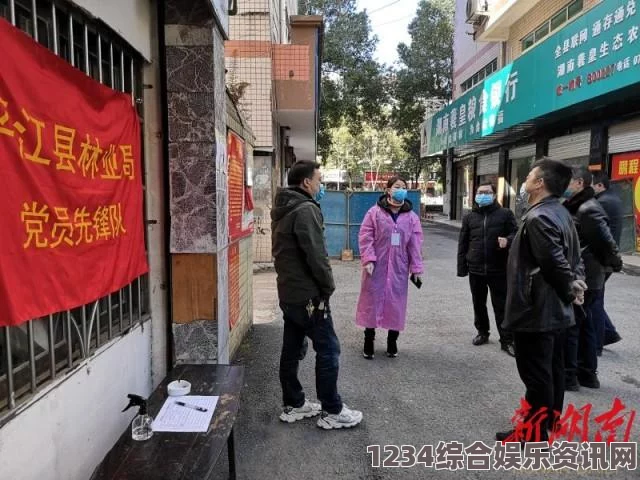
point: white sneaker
(345, 419)
(309, 409)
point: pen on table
(190, 405)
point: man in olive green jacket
(305, 284)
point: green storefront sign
(597, 53)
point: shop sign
(626, 166)
(595, 54)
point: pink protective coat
(383, 295)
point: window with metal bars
(39, 351)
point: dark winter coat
(613, 206)
(478, 250)
(299, 250)
(599, 249)
(544, 261)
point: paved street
(439, 388)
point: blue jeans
(604, 327)
(300, 323)
(581, 358)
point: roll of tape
(178, 388)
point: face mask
(524, 195)
(567, 193)
(320, 194)
(399, 195)
(484, 199)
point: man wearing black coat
(483, 247)
(544, 275)
(607, 333)
(599, 251)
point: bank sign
(597, 53)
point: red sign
(240, 204)
(70, 173)
(234, 285)
(379, 177)
(627, 166)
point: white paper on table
(176, 418)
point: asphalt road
(440, 388)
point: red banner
(70, 173)
(240, 203)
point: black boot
(392, 346)
(369, 337)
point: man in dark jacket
(607, 333)
(544, 278)
(305, 284)
(483, 247)
(599, 250)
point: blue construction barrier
(343, 214)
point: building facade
(567, 87)
(273, 60)
(64, 377)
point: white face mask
(524, 196)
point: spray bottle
(141, 425)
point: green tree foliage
(353, 83)
(426, 71)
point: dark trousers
(300, 323)
(540, 362)
(480, 286)
(581, 355)
(604, 327)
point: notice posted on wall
(190, 413)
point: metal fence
(41, 350)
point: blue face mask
(320, 194)
(567, 193)
(399, 195)
(484, 199)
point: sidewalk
(631, 263)
(440, 388)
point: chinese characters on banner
(240, 205)
(234, 285)
(70, 172)
(626, 166)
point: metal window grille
(39, 351)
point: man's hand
(369, 267)
(579, 287)
(502, 242)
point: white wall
(67, 432)
(131, 19)
(469, 56)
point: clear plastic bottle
(141, 426)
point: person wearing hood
(483, 248)
(390, 242)
(305, 285)
(599, 251)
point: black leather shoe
(572, 387)
(509, 348)
(589, 381)
(615, 338)
(480, 339)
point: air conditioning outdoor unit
(476, 9)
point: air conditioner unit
(476, 9)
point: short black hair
(488, 184)
(555, 173)
(582, 173)
(300, 170)
(394, 179)
(603, 178)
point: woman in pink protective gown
(390, 243)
